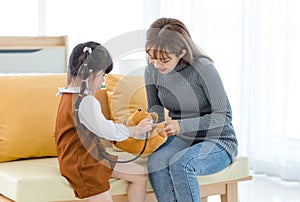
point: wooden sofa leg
(4, 199)
(231, 194)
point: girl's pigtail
(85, 73)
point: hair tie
(87, 49)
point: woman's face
(165, 65)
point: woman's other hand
(172, 127)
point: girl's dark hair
(99, 59)
(170, 36)
(88, 58)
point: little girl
(80, 126)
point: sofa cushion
(38, 180)
(125, 94)
(27, 115)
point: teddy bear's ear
(128, 123)
(154, 116)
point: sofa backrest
(101, 95)
(28, 108)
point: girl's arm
(90, 114)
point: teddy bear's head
(156, 137)
(138, 115)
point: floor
(266, 189)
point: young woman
(80, 126)
(182, 79)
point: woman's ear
(183, 52)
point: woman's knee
(157, 162)
(182, 162)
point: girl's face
(97, 80)
(165, 65)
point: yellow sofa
(29, 169)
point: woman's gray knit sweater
(195, 96)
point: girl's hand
(139, 132)
(172, 127)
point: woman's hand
(139, 131)
(172, 127)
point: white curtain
(255, 46)
(270, 87)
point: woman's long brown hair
(170, 36)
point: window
(19, 18)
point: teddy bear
(156, 137)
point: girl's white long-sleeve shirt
(91, 116)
